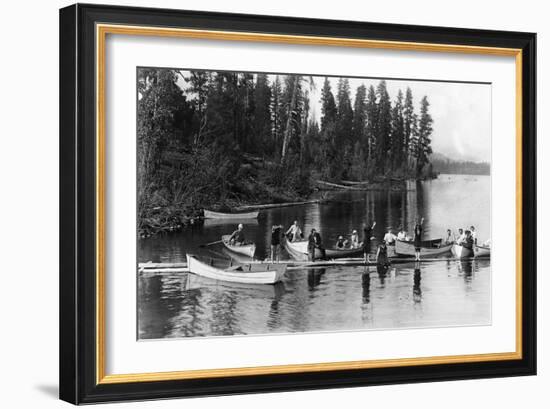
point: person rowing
(237, 237)
(294, 233)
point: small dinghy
(245, 249)
(208, 214)
(245, 274)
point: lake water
(441, 293)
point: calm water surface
(442, 293)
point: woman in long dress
(418, 238)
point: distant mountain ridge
(443, 164)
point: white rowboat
(208, 214)
(245, 249)
(406, 248)
(245, 274)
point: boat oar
(209, 244)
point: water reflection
(447, 292)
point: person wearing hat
(340, 243)
(275, 242)
(237, 237)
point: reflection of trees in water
(314, 278)
(223, 305)
(274, 318)
(159, 302)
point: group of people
(466, 237)
(315, 242)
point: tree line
(207, 138)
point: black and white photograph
(273, 203)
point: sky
(461, 112)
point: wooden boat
(245, 249)
(478, 251)
(225, 222)
(244, 274)
(298, 251)
(429, 248)
(208, 214)
(462, 252)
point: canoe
(435, 248)
(208, 214)
(478, 251)
(225, 222)
(244, 274)
(298, 251)
(245, 249)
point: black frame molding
(78, 210)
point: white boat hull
(406, 248)
(246, 249)
(208, 214)
(235, 275)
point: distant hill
(443, 164)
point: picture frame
(83, 180)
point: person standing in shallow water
(418, 238)
(314, 242)
(382, 255)
(368, 230)
(275, 242)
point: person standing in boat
(237, 237)
(275, 242)
(468, 242)
(354, 239)
(382, 255)
(474, 234)
(449, 239)
(315, 242)
(418, 238)
(368, 230)
(294, 233)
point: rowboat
(478, 251)
(434, 248)
(208, 214)
(245, 249)
(225, 222)
(244, 274)
(298, 251)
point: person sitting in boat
(237, 237)
(354, 239)
(468, 242)
(402, 235)
(474, 234)
(341, 243)
(418, 238)
(389, 237)
(449, 238)
(461, 237)
(294, 233)
(382, 255)
(315, 242)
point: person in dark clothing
(382, 255)
(237, 238)
(315, 242)
(368, 231)
(468, 241)
(341, 243)
(275, 242)
(418, 238)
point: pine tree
(276, 115)
(408, 112)
(397, 132)
(261, 123)
(424, 149)
(383, 127)
(372, 123)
